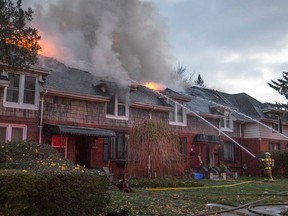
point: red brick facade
(90, 151)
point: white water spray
(244, 115)
(210, 124)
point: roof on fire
(198, 99)
(77, 81)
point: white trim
(230, 127)
(116, 116)
(184, 116)
(9, 128)
(20, 103)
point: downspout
(41, 117)
(150, 113)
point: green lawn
(191, 201)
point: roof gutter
(76, 95)
(207, 115)
(151, 107)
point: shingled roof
(72, 80)
(69, 79)
(241, 102)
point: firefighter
(268, 164)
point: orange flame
(154, 86)
(48, 48)
(21, 43)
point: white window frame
(20, 103)
(226, 127)
(276, 126)
(9, 128)
(184, 116)
(116, 116)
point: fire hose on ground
(250, 206)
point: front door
(83, 145)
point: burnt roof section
(176, 95)
(144, 95)
(73, 80)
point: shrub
(31, 156)
(36, 180)
(281, 163)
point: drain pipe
(41, 116)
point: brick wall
(20, 116)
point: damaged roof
(67, 79)
(241, 102)
(144, 95)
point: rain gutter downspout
(41, 117)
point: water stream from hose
(206, 121)
(244, 115)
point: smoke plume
(118, 39)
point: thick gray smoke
(120, 39)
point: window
(228, 151)
(274, 146)
(226, 123)
(106, 156)
(12, 132)
(60, 144)
(277, 126)
(119, 146)
(177, 116)
(22, 92)
(183, 148)
(117, 108)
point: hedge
(36, 180)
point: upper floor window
(12, 132)
(226, 122)
(22, 92)
(117, 108)
(276, 126)
(177, 116)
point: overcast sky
(236, 46)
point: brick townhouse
(88, 119)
